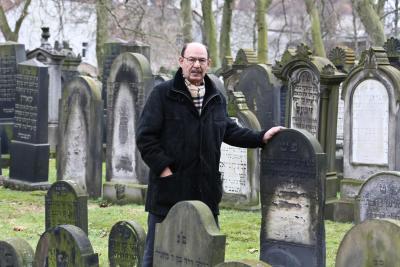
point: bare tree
(186, 16)
(210, 31)
(225, 34)
(262, 30)
(318, 43)
(5, 28)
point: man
(179, 136)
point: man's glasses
(192, 60)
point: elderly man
(179, 135)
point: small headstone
(371, 243)
(379, 197)
(15, 252)
(66, 203)
(126, 244)
(65, 245)
(244, 263)
(292, 197)
(188, 236)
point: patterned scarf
(197, 93)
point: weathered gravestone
(15, 252)
(371, 243)
(29, 148)
(292, 198)
(79, 150)
(129, 84)
(65, 245)
(239, 167)
(188, 236)
(126, 244)
(379, 197)
(69, 67)
(10, 55)
(392, 48)
(244, 263)
(66, 203)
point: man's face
(194, 63)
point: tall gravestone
(129, 84)
(65, 245)
(11, 54)
(79, 150)
(371, 243)
(292, 197)
(126, 244)
(188, 236)
(371, 128)
(15, 252)
(239, 167)
(29, 148)
(66, 203)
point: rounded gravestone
(371, 243)
(15, 252)
(126, 244)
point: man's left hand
(271, 132)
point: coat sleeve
(242, 137)
(148, 134)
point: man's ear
(209, 62)
(180, 61)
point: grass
(22, 215)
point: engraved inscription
(8, 70)
(122, 245)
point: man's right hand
(166, 172)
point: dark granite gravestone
(371, 243)
(379, 197)
(126, 244)
(79, 150)
(188, 236)
(262, 92)
(65, 245)
(29, 148)
(15, 252)
(293, 168)
(66, 203)
(129, 84)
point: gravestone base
(349, 188)
(6, 135)
(52, 137)
(25, 186)
(239, 202)
(29, 162)
(121, 192)
(339, 210)
(332, 185)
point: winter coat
(171, 132)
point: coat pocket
(168, 190)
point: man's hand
(271, 132)
(166, 172)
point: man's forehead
(196, 49)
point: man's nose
(197, 63)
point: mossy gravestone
(293, 169)
(188, 236)
(65, 245)
(371, 243)
(15, 252)
(66, 203)
(126, 244)
(244, 263)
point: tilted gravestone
(126, 244)
(293, 168)
(379, 197)
(66, 203)
(188, 236)
(29, 148)
(371, 243)
(239, 167)
(65, 245)
(15, 252)
(79, 150)
(244, 263)
(129, 84)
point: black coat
(171, 133)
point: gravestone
(29, 148)
(392, 48)
(244, 263)
(371, 243)
(65, 245)
(239, 167)
(160, 78)
(126, 244)
(66, 203)
(129, 84)
(262, 92)
(293, 168)
(69, 67)
(79, 150)
(11, 54)
(15, 252)
(188, 236)
(379, 197)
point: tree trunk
(312, 11)
(370, 19)
(210, 30)
(102, 9)
(5, 28)
(225, 37)
(262, 30)
(186, 16)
